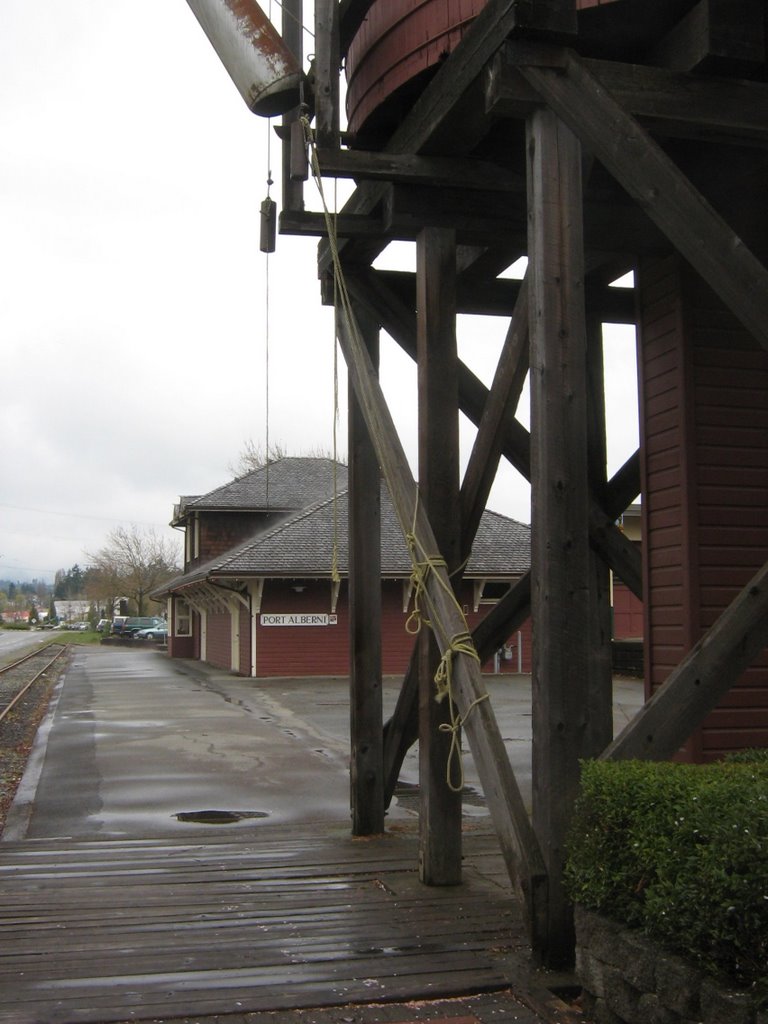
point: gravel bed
(17, 734)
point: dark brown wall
(704, 429)
(221, 531)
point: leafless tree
(253, 456)
(134, 563)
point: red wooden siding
(704, 396)
(627, 613)
(398, 41)
(301, 650)
(283, 651)
(662, 430)
(219, 640)
(221, 531)
(730, 386)
(182, 647)
(245, 641)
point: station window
(183, 623)
(493, 591)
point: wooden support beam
(327, 66)
(515, 607)
(660, 189)
(615, 549)
(440, 801)
(505, 804)
(479, 219)
(670, 103)
(430, 116)
(491, 298)
(311, 224)
(504, 618)
(401, 730)
(366, 709)
(411, 169)
(623, 487)
(293, 37)
(399, 321)
(559, 503)
(696, 686)
(600, 683)
(727, 35)
(508, 381)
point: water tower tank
(397, 48)
(398, 43)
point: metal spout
(253, 52)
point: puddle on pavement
(213, 817)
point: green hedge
(680, 851)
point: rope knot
(461, 643)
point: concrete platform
(134, 739)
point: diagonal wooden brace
(697, 684)
(518, 842)
(654, 181)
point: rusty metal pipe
(251, 49)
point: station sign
(298, 619)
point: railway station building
(265, 587)
(264, 590)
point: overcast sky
(136, 307)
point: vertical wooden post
(293, 191)
(366, 714)
(600, 697)
(327, 63)
(440, 819)
(559, 496)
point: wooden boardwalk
(230, 922)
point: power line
(79, 515)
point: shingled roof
(288, 484)
(302, 546)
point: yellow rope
(267, 317)
(423, 564)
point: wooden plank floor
(265, 919)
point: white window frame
(182, 617)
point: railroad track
(17, 678)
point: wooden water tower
(595, 138)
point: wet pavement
(136, 744)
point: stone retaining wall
(627, 979)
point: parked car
(153, 632)
(134, 623)
(103, 626)
(118, 622)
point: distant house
(71, 611)
(264, 590)
(16, 615)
